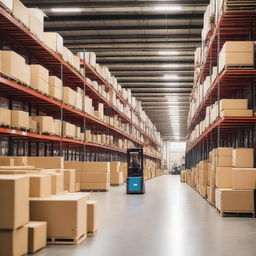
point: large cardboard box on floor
(36, 22)
(91, 216)
(243, 157)
(69, 180)
(14, 66)
(54, 41)
(5, 116)
(96, 166)
(55, 87)
(244, 178)
(20, 12)
(45, 124)
(17, 160)
(224, 177)
(20, 119)
(95, 177)
(117, 178)
(236, 53)
(14, 242)
(211, 195)
(95, 186)
(51, 162)
(37, 235)
(66, 216)
(40, 185)
(228, 200)
(14, 201)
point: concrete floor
(169, 220)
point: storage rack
(19, 38)
(232, 82)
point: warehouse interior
(127, 127)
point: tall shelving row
(15, 36)
(233, 82)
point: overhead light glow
(66, 9)
(168, 8)
(168, 53)
(170, 65)
(170, 77)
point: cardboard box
(228, 200)
(95, 186)
(55, 87)
(14, 242)
(66, 216)
(20, 119)
(17, 160)
(116, 178)
(233, 104)
(54, 41)
(211, 195)
(91, 216)
(243, 157)
(32, 124)
(36, 22)
(37, 235)
(57, 182)
(5, 116)
(236, 54)
(224, 177)
(40, 185)
(96, 166)
(14, 66)
(39, 77)
(225, 161)
(51, 162)
(244, 178)
(76, 62)
(20, 12)
(236, 113)
(7, 3)
(14, 201)
(183, 176)
(70, 180)
(69, 130)
(78, 166)
(69, 96)
(97, 177)
(45, 124)
(57, 127)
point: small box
(91, 216)
(37, 235)
(40, 185)
(14, 201)
(14, 242)
(243, 157)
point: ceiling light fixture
(168, 53)
(170, 65)
(66, 9)
(168, 8)
(170, 77)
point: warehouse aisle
(169, 220)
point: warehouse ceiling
(147, 45)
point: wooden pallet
(236, 214)
(67, 241)
(94, 190)
(91, 234)
(12, 78)
(20, 128)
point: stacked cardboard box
(45, 124)
(20, 12)
(5, 116)
(54, 41)
(55, 87)
(14, 214)
(116, 175)
(39, 77)
(20, 119)
(91, 217)
(14, 66)
(183, 175)
(70, 180)
(36, 22)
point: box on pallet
(20, 119)
(54, 41)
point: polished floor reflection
(171, 219)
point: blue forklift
(135, 178)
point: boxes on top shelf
(7, 3)
(36, 22)
(21, 12)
